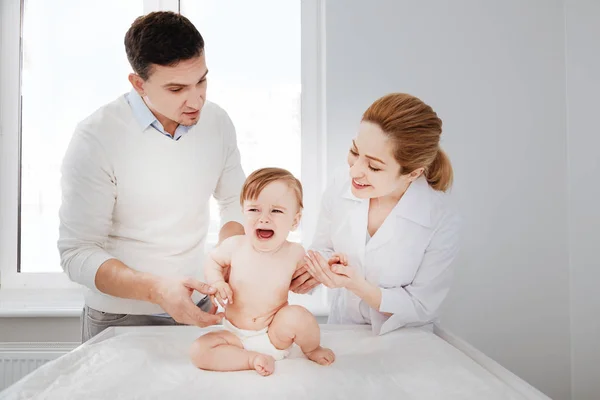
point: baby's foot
(263, 364)
(321, 355)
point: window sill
(41, 303)
(48, 303)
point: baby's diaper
(257, 341)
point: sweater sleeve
(88, 197)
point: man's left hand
(302, 281)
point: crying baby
(252, 274)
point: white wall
(583, 101)
(51, 329)
(494, 71)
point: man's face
(175, 94)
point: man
(137, 180)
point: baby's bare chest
(261, 271)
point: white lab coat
(409, 258)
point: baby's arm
(338, 258)
(219, 259)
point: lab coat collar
(415, 204)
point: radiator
(17, 359)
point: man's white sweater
(134, 194)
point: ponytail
(439, 174)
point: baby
(252, 274)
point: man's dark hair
(163, 38)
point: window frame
(313, 161)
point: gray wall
(583, 87)
(40, 330)
(495, 73)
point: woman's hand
(339, 265)
(332, 274)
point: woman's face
(373, 169)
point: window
(71, 66)
(255, 75)
(59, 64)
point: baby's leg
(296, 324)
(223, 351)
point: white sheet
(405, 364)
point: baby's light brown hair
(259, 179)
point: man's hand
(302, 281)
(224, 294)
(231, 228)
(174, 296)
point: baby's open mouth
(265, 233)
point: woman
(386, 236)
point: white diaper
(256, 341)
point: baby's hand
(338, 258)
(224, 294)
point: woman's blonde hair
(258, 180)
(414, 129)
